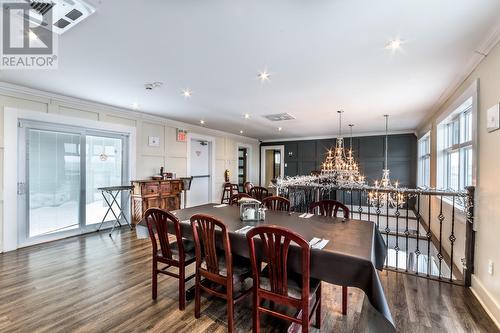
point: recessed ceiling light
(135, 105)
(202, 122)
(280, 129)
(187, 93)
(394, 44)
(264, 76)
(247, 116)
(241, 132)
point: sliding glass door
(53, 184)
(58, 180)
(103, 167)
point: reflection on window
(455, 145)
(424, 161)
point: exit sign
(181, 135)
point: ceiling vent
(65, 13)
(279, 117)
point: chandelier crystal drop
(390, 196)
(338, 165)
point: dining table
(352, 257)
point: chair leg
(197, 296)
(318, 309)
(344, 300)
(305, 320)
(230, 315)
(154, 280)
(182, 288)
(256, 313)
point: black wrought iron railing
(428, 233)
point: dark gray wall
(302, 157)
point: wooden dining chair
(227, 191)
(247, 186)
(259, 193)
(220, 270)
(179, 253)
(277, 283)
(277, 203)
(235, 198)
(331, 208)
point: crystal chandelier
(343, 169)
(390, 195)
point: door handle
(21, 188)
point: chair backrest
(236, 197)
(259, 192)
(247, 186)
(275, 244)
(227, 191)
(205, 228)
(158, 220)
(329, 208)
(277, 203)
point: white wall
(487, 208)
(170, 154)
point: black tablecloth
(351, 258)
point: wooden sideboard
(164, 194)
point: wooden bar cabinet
(164, 194)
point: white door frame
(249, 170)
(211, 151)
(263, 149)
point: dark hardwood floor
(93, 283)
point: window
(455, 145)
(424, 161)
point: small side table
(113, 192)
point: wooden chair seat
(189, 252)
(241, 267)
(294, 284)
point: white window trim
(471, 91)
(420, 157)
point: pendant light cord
(386, 138)
(340, 123)
(351, 125)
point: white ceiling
(323, 55)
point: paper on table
(306, 215)
(321, 244)
(244, 230)
(318, 243)
(220, 206)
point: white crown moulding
(18, 91)
(480, 53)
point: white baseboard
(487, 301)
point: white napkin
(220, 206)
(306, 215)
(244, 230)
(318, 243)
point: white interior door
(200, 170)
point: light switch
(490, 267)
